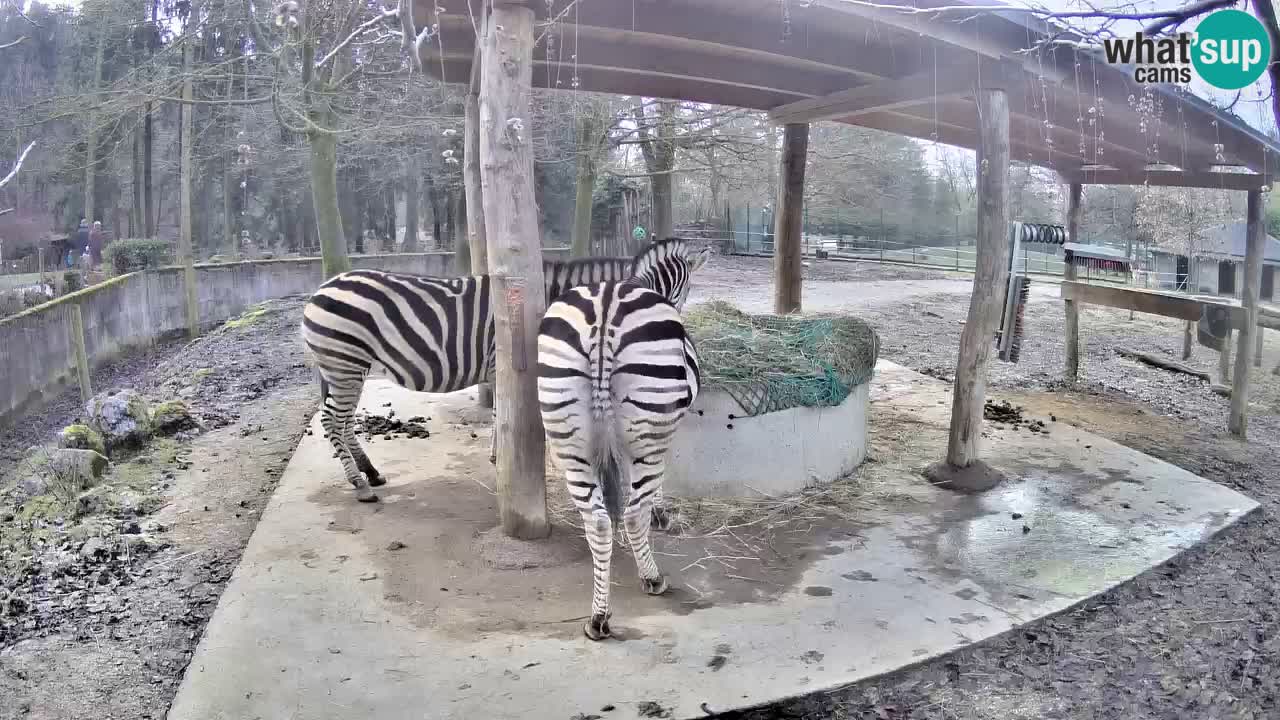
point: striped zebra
(616, 373)
(434, 334)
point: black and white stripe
(433, 334)
(616, 374)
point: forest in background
(311, 124)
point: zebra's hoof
(375, 479)
(366, 497)
(597, 628)
(656, 586)
(663, 519)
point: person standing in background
(82, 237)
(95, 246)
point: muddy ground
(1197, 638)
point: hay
(768, 363)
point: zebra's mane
(656, 252)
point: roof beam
(889, 94)
(1170, 178)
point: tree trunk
(518, 300)
(1071, 370)
(91, 133)
(412, 194)
(476, 230)
(1256, 241)
(660, 200)
(787, 255)
(478, 256)
(586, 183)
(185, 255)
(389, 217)
(988, 281)
(324, 199)
(136, 211)
(229, 240)
(437, 212)
(461, 248)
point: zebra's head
(666, 266)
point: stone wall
(37, 357)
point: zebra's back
(616, 372)
(431, 334)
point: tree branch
(14, 172)
(360, 30)
(1267, 12)
(10, 44)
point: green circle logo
(1232, 49)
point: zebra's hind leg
(599, 530)
(637, 518)
(362, 460)
(339, 403)
(664, 516)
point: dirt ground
(1197, 638)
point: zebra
(435, 334)
(616, 373)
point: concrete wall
(719, 453)
(133, 311)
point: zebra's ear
(699, 258)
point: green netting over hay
(770, 362)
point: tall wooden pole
(515, 264)
(1239, 419)
(788, 219)
(471, 184)
(1071, 373)
(989, 280)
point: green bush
(72, 281)
(130, 255)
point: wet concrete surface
(328, 617)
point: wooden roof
(909, 73)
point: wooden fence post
(989, 278)
(1071, 372)
(75, 332)
(1256, 244)
(1257, 349)
(515, 263)
(788, 219)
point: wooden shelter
(1003, 83)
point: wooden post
(472, 186)
(515, 263)
(75, 333)
(989, 278)
(1239, 418)
(788, 218)
(1187, 331)
(1071, 372)
(1224, 360)
(1257, 349)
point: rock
(172, 417)
(122, 418)
(82, 437)
(95, 548)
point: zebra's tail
(609, 460)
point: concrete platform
(721, 453)
(322, 619)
